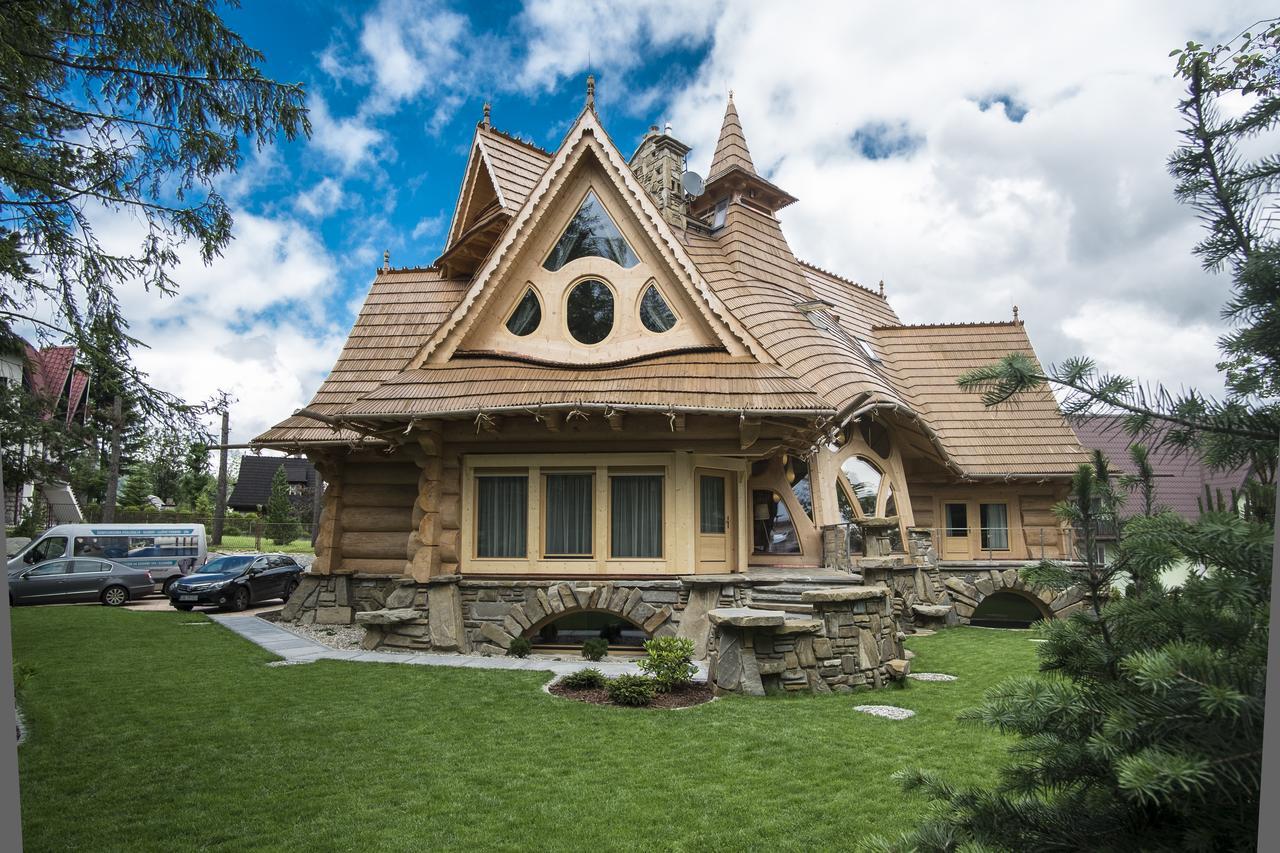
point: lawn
(249, 543)
(149, 732)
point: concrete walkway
(292, 647)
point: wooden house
(605, 383)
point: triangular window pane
(655, 314)
(591, 233)
(527, 316)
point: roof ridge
(416, 268)
(517, 140)
(839, 277)
(884, 328)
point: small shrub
(633, 690)
(520, 647)
(584, 679)
(669, 660)
(595, 648)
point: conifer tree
(282, 522)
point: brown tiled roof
(701, 381)
(516, 166)
(402, 309)
(1181, 477)
(1029, 436)
(731, 148)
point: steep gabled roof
(253, 484)
(1027, 437)
(402, 309)
(585, 139)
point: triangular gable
(480, 191)
(586, 146)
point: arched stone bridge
(968, 587)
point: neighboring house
(1182, 478)
(642, 398)
(253, 485)
(51, 376)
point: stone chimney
(658, 164)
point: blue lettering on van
(143, 531)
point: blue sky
(978, 156)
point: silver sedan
(78, 579)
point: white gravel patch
(932, 676)
(888, 712)
(343, 637)
(288, 662)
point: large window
(589, 311)
(863, 478)
(635, 516)
(994, 533)
(591, 233)
(775, 533)
(567, 509)
(502, 516)
(797, 474)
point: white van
(168, 551)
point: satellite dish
(692, 183)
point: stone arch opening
(570, 628)
(1009, 608)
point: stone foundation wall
(850, 640)
(968, 586)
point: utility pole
(220, 509)
(113, 469)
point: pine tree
(137, 488)
(1144, 730)
(282, 523)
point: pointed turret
(733, 176)
(731, 149)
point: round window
(589, 311)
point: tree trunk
(220, 508)
(113, 467)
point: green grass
(151, 734)
(248, 543)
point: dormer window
(655, 314)
(591, 233)
(528, 314)
(589, 311)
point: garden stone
(493, 633)
(444, 607)
(932, 676)
(386, 617)
(333, 616)
(888, 712)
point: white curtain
(636, 516)
(995, 527)
(568, 514)
(502, 511)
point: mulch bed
(686, 697)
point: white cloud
(251, 323)
(566, 36)
(1066, 212)
(349, 141)
(324, 199)
(413, 46)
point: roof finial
(1015, 313)
(591, 91)
(386, 261)
(731, 94)
(485, 121)
(882, 288)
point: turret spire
(731, 149)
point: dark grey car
(78, 579)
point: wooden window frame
(542, 513)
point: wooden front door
(955, 531)
(714, 520)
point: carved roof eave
(737, 179)
(585, 132)
(474, 244)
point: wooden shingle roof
(516, 166)
(700, 381)
(731, 147)
(1027, 437)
